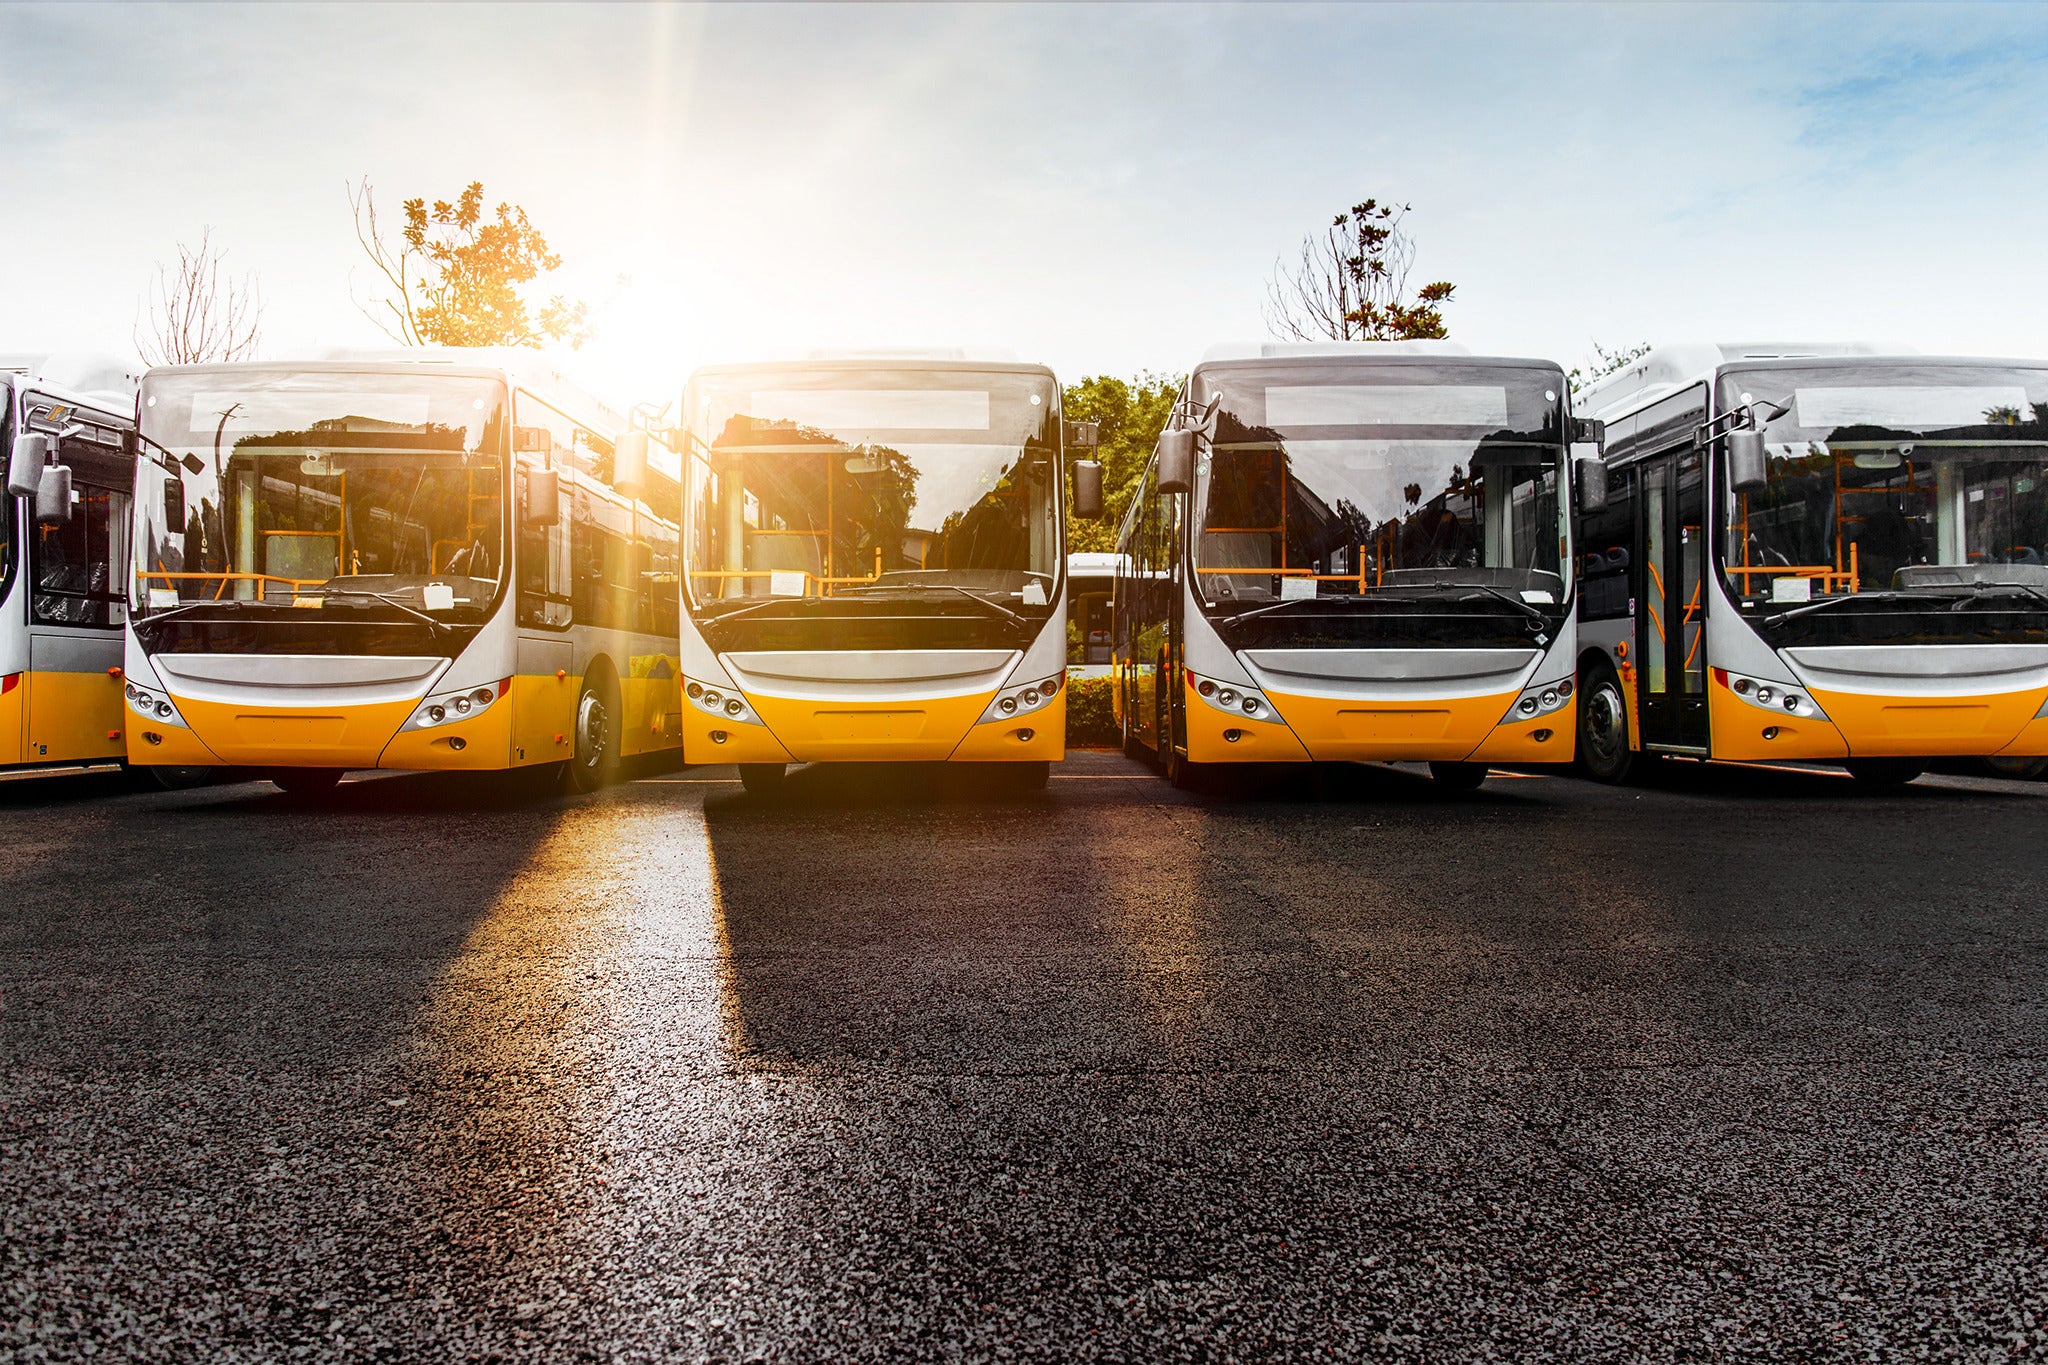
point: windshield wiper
(1376, 595)
(1978, 590)
(970, 595)
(1533, 612)
(437, 626)
(1875, 595)
(223, 604)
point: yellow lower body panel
(1257, 741)
(1737, 730)
(925, 730)
(653, 701)
(544, 717)
(11, 715)
(1551, 738)
(482, 742)
(1928, 727)
(735, 743)
(294, 737)
(1039, 737)
(72, 717)
(1334, 729)
(2032, 741)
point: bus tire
(596, 763)
(763, 779)
(305, 781)
(1458, 777)
(1884, 773)
(1603, 752)
(2016, 769)
(163, 777)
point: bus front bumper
(927, 730)
(1364, 729)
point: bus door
(1671, 675)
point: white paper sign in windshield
(1908, 407)
(246, 412)
(1392, 405)
(875, 409)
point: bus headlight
(1778, 698)
(153, 706)
(454, 706)
(1029, 697)
(1234, 701)
(724, 705)
(1540, 700)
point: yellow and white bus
(63, 542)
(425, 559)
(1818, 553)
(876, 549)
(1352, 551)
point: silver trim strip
(869, 675)
(1418, 674)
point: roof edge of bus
(1286, 350)
(104, 382)
(535, 369)
(1666, 369)
(851, 360)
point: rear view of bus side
(1817, 553)
(1352, 551)
(875, 550)
(427, 560)
(63, 539)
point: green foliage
(1605, 362)
(1091, 715)
(1130, 414)
(457, 277)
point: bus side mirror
(1084, 435)
(1088, 489)
(53, 496)
(1592, 483)
(629, 464)
(25, 463)
(174, 505)
(1747, 472)
(543, 498)
(1176, 461)
(532, 440)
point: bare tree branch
(403, 326)
(198, 313)
(1351, 283)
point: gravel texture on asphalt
(1749, 1064)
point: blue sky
(1106, 189)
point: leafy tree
(1130, 414)
(456, 276)
(1605, 362)
(197, 313)
(1351, 283)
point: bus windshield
(859, 483)
(321, 490)
(1349, 481)
(1881, 475)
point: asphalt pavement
(1744, 1065)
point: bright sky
(1104, 189)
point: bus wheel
(169, 779)
(1883, 772)
(2018, 769)
(1604, 754)
(306, 781)
(597, 739)
(762, 779)
(1458, 777)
